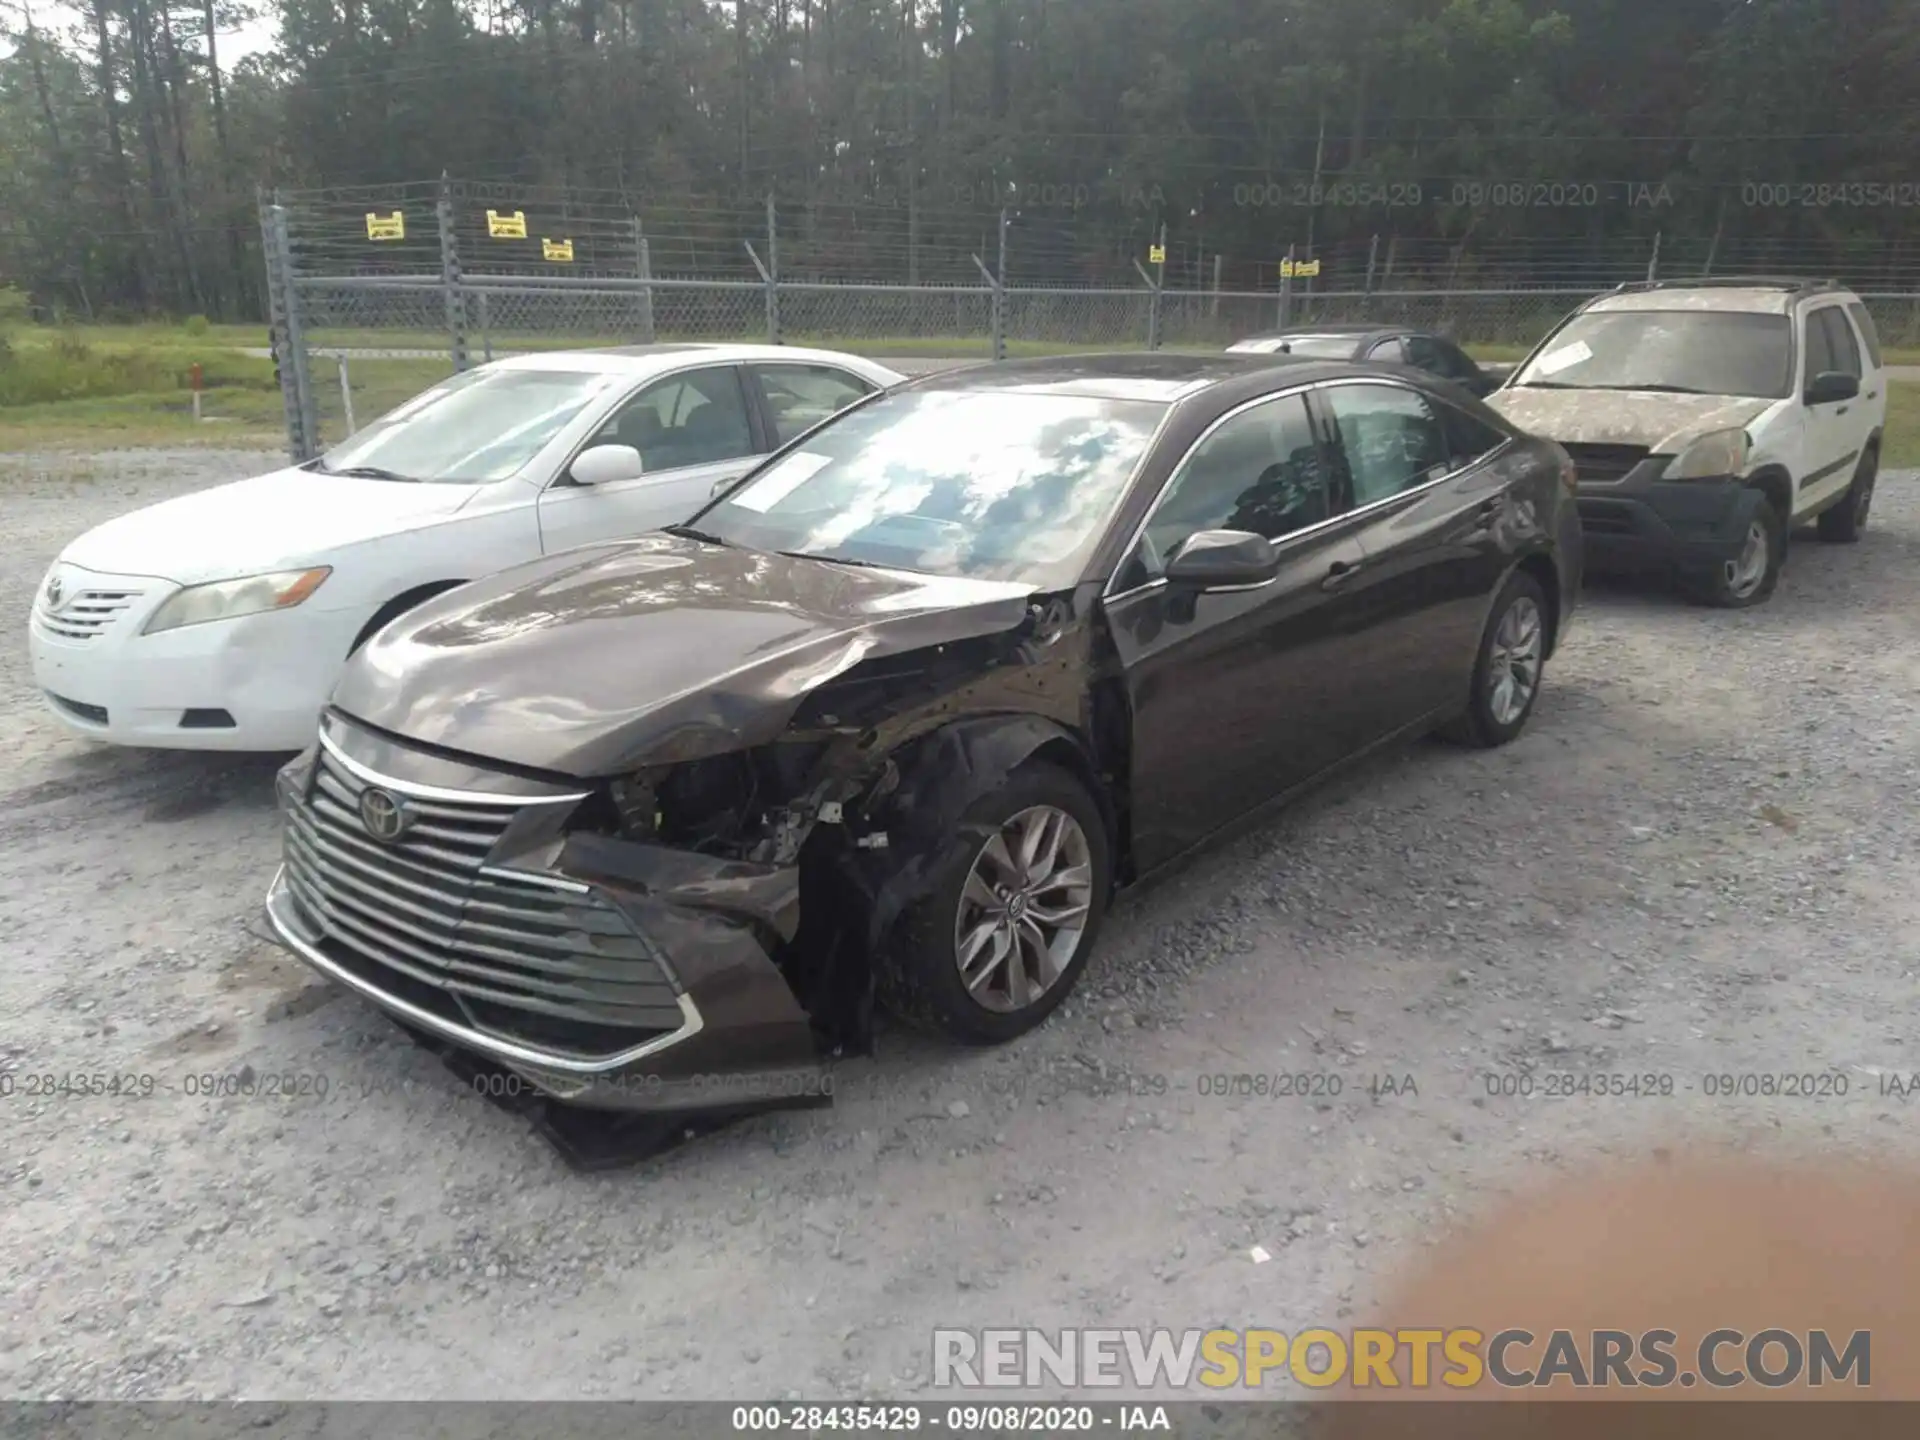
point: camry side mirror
(1220, 559)
(604, 464)
(1832, 386)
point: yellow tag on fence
(507, 227)
(1157, 255)
(1299, 269)
(560, 250)
(386, 227)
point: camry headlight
(227, 599)
(1713, 456)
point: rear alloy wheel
(1845, 521)
(1002, 938)
(1748, 577)
(1506, 678)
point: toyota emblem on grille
(384, 815)
(55, 590)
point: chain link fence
(375, 295)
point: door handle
(1339, 573)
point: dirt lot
(1702, 860)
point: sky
(235, 44)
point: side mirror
(1832, 386)
(604, 464)
(1221, 559)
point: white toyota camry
(219, 620)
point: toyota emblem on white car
(384, 815)
(55, 590)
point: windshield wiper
(687, 532)
(371, 472)
(1549, 385)
(1652, 389)
(833, 560)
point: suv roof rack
(1796, 284)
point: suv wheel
(1749, 577)
(1006, 930)
(1845, 521)
(1506, 677)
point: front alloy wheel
(1513, 671)
(1024, 908)
(1749, 575)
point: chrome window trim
(439, 792)
(1109, 595)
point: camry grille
(422, 918)
(86, 615)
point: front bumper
(1675, 525)
(251, 684)
(595, 972)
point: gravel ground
(1702, 859)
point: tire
(1736, 584)
(920, 976)
(1843, 523)
(1506, 683)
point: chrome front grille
(422, 918)
(1605, 464)
(86, 614)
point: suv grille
(86, 615)
(417, 918)
(1605, 464)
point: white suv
(1707, 419)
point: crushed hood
(1652, 418)
(600, 659)
(282, 520)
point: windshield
(479, 426)
(1697, 351)
(980, 484)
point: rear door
(1431, 494)
(694, 429)
(1238, 694)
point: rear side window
(1438, 356)
(1390, 349)
(1869, 332)
(1467, 438)
(1846, 350)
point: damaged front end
(696, 933)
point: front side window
(1390, 439)
(1689, 352)
(1262, 470)
(1841, 345)
(801, 396)
(985, 484)
(478, 427)
(699, 418)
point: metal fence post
(1373, 259)
(1213, 306)
(288, 334)
(1286, 289)
(1000, 294)
(346, 392)
(1653, 260)
(773, 273)
(486, 326)
(643, 264)
(450, 277)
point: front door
(693, 430)
(1237, 694)
(1836, 431)
(1428, 513)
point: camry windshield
(983, 484)
(479, 426)
(1700, 352)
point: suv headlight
(228, 599)
(1713, 456)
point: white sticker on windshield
(1567, 356)
(781, 481)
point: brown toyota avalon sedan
(652, 825)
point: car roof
(1123, 375)
(1355, 329)
(643, 359)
